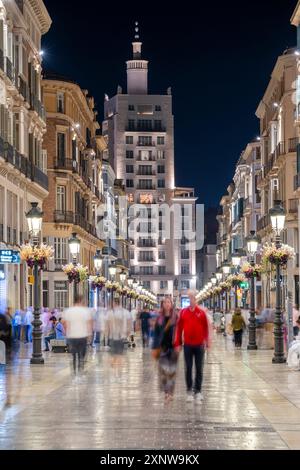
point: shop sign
(9, 257)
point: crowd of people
(114, 328)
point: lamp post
(226, 268)
(98, 261)
(112, 269)
(252, 245)
(277, 215)
(74, 247)
(34, 219)
(135, 285)
(130, 282)
(123, 277)
(214, 283)
(236, 261)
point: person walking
(145, 326)
(17, 322)
(163, 348)
(238, 325)
(194, 326)
(78, 328)
(28, 319)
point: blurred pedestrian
(296, 316)
(78, 328)
(51, 334)
(28, 319)
(163, 349)
(194, 327)
(60, 332)
(145, 326)
(238, 325)
(17, 323)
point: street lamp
(74, 247)
(277, 216)
(252, 245)
(226, 268)
(123, 277)
(236, 261)
(219, 276)
(98, 261)
(34, 219)
(214, 283)
(112, 271)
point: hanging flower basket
(277, 256)
(36, 255)
(76, 273)
(225, 286)
(236, 279)
(97, 282)
(252, 271)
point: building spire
(137, 45)
(137, 30)
(137, 68)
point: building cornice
(42, 14)
(295, 19)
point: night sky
(218, 62)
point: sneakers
(198, 397)
(189, 397)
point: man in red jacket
(193, 326)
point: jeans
(191, 352)
(28, 333)
(17, 332)
(47, 340)
(145, 336)
(77, 346)
(238, 337)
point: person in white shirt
(28, 319)
(79, 326)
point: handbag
(157, 351)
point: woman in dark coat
(163, 348)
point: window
(185, 284)
(61, 294)
(61, 146)
(60, 252)
(161, 270)
(129, 168)
(146, 270)
(45, 294)
(145, 184)
(129, 139)
(129, 184)
(157, 125)
(158, 107)
(147, 285)
(129, 153)
(161, 169)
(160, 141)
(145, 140)
(185, 269)
(162, 255)
(161, 183)
(145, 155)
(131, 124)
(146, 199)
(146, 256)
(145, 170)
(130, 107)
(160, 155)
(60, 102)
(163, 284)
(144, 124)
(145, 109)
(185, 254)
(61, 198)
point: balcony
(264, 222)
(146, 244)
(143, 173)
(142, 143)
(59, 263)
(150, 188)
(24, 89)
(9, 69)
(293, 144)
(65, 164)
(296, 182)
(145, 128)
(37, 106)
(39, 177)
(149, 259)
(64, 217)
(293, 206)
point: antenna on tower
(137, 35)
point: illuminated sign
(9, 257)
(185, 302)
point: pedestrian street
(249, 403)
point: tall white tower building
(139, 128)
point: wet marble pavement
(249, 404)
